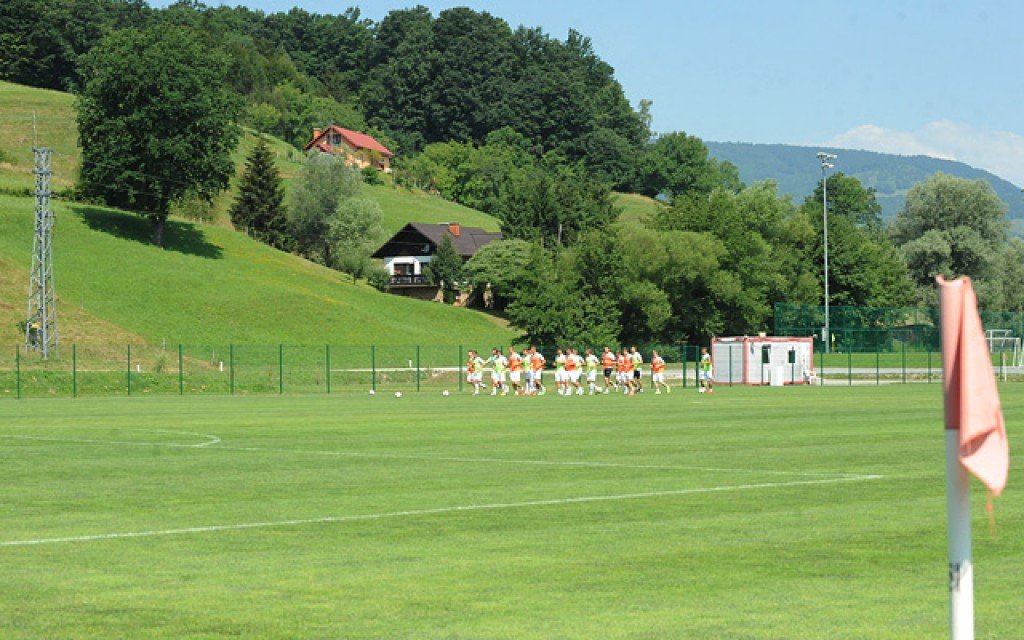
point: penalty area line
(495, 506)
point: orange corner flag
(969, 386)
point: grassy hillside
(55, 116)
(55, 121)
(635, 207)
(210, 285)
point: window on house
(336, 138)
(402, 269)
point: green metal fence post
(849, 360)
(280, 368)
(731, 346)
(459, 360)
(929, 364)
(696, 365)
(327, 353)
(904, 347)
(129, 369)
(231, 368)
(821, 366)
(878, 361)
(17, 367)
(417, 368)
(74, 371)
(686, 355)
(181, 370)
(373, 368)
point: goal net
(1004, 342)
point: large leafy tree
(864, 267)
(677, 164)
(155, 121)
(849, 198)
(322, 186)
(950, 226)
(354, 231)
(259, 206)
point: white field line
(214, 440)
(428, 512)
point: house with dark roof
(360, 149)
(409, 251)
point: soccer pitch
(753, 513)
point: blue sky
(936, 78)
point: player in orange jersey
(608, 362)
(658, 373)
(515, 370)
(627, 373)
(537, 366)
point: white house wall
(418, 263)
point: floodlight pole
(825, 165)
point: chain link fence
(86, 370)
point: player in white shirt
(591, 362)
(573, 370)
(561, 379)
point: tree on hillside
(553, 207)
(677, 164)
(155, 121)
(446, 268)
(354, 231)
(500, 266)
(950, 226)
(324, 183)
(259, 206)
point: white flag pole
(958, 497)
(961, 571)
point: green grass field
(754, 513)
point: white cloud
(1000, 152)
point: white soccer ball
(398, 394)
(372, 392)
(445, 393)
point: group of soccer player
(522, 374)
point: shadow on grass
(183, 237)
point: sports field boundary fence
(90, 370)
(251, 369)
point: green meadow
(210, 285)
(800, 513)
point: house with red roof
(360, 149)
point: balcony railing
(408, 280)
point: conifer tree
(259, 207)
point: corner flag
(971, 398)
(975, 436)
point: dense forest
(531, 129)
(411, 79)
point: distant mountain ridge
(797, 170)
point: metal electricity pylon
(41, 326)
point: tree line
(411, 79)
(530, 129)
